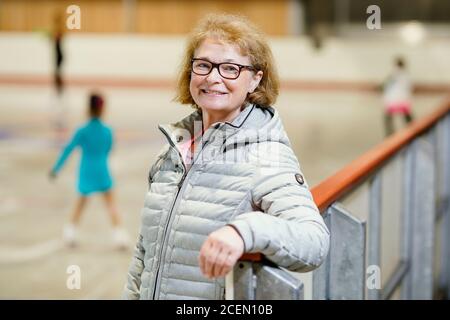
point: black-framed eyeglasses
(226, 70)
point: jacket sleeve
(131, 290)
(288, 229)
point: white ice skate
(121, 239)
(70, 235)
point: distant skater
(397, 92)
(59, 105)
(95, 140)
(57, 38)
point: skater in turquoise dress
(95, 140)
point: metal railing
(388, 213)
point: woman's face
(215, 94)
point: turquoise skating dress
(95, 140)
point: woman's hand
(220, 252)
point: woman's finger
(220, 263)
(202, 256)
(211, 254)
(227, 266)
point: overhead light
(412, 32)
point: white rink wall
(155, 57)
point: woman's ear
(256, 79)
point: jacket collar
(241, 118)
(177, 133)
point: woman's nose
(214, 76)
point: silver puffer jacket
(245, 174)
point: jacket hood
(254, 124)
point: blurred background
(332, 61)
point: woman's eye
(230, 68)
(203, 65)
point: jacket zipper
(162, 250)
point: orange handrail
(334, 187)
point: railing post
(374, 229)
(261, 280)
(320, 277)
(407, 210)
(273, 283)
(242, 286)
(423, 216)
(444, 280)
(347, 273)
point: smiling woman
(227, 182)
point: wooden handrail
(251, 257)
(334, 187)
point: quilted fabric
(245, 174)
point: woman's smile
(212, 93)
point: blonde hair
(232, 29)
